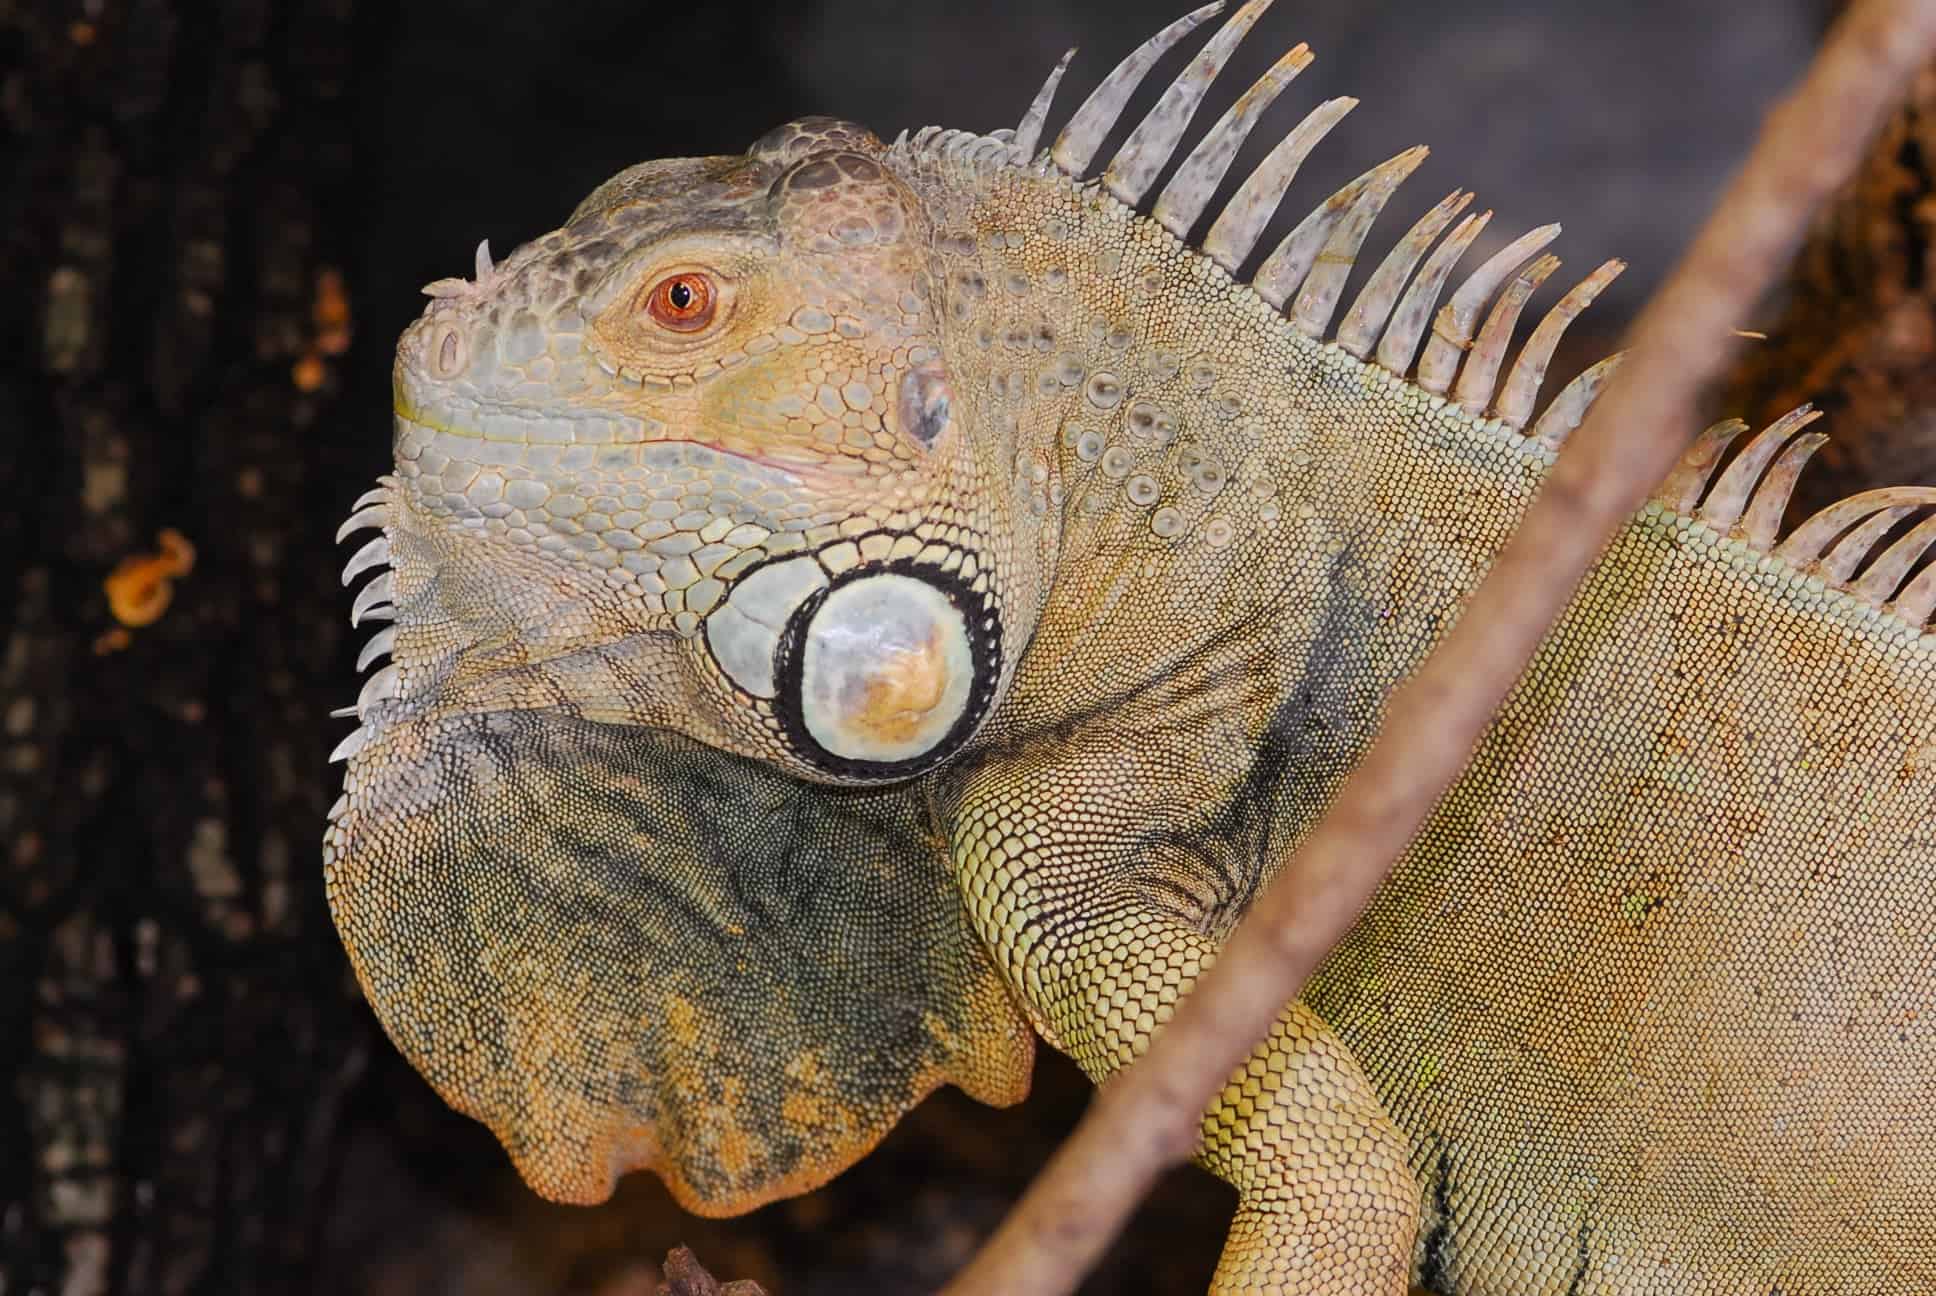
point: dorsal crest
(1449, 334)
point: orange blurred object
(141, 586)
(308, 373)
(331, 312)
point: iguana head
(705, 435)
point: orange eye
(683, 302)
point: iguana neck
(1185, 468)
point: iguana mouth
(518, 431)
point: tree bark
(175, 1027)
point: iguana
(860, 606)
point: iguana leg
(1326, 1200)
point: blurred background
(217, 214)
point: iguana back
(1651, 996)
(788, 535)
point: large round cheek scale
(887, 670)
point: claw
(374, 554)
(376, 515)
(353, 742)
(377, 593)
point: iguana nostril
(447, 351)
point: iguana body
(856, 603)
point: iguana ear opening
(620, 950)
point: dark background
(195, 1099)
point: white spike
(1724, 504)
(1283, 271)
(1028, 136)
(1681, 489)
(1809, 539)
(1481, 368)
(338, 808)
(1885, 575)
(1149, 147)
(374, 554)
(1359, 332)
(376, 515)
(1075, 148)
(1318, 300)
(376, 593)
(353, 742)
(485, 270)
(1806, 542)
(374, 495)
(380, 687)
(1195, 182)
(1529, 371)
(1852, 548)
(1399, 346)
(1917, 599)
(1570, 406)
(1452, 327)
(381, 642)
(342, 713)
(1762, 522)
(1243, 218)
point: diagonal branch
(1146, 1119)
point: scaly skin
(1071, 576)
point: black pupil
(679, 294)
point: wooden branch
(685, 1276)
(1146, 1119)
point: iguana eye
(684, 302)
